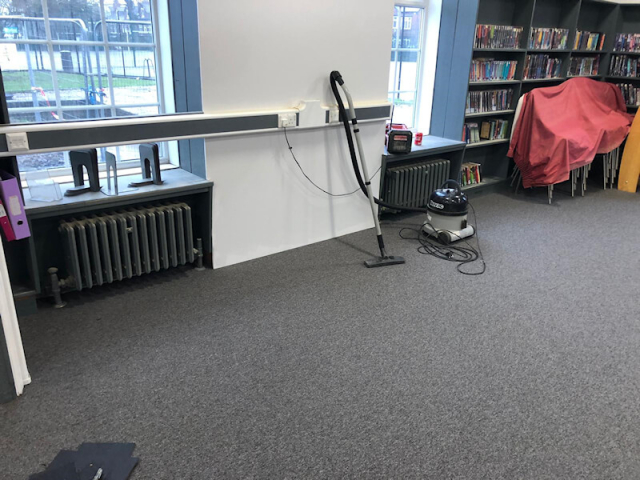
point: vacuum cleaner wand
(384, 259)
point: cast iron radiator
(411, 185)
(113, 246)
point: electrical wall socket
(286, 120)
(334, 115)
(17, 142)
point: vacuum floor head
(384, 262)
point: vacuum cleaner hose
(335, 79)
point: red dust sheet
(562, 128)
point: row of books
(583, 66)
(497, 36)
(493, 129)
(624, 66)
(471, 132)
(542, 66)
(501, 36)
(589, 41)
(489, 100)
(485, 69)
(548, 38)
(627, 42)
(470, 174)
(630, 93)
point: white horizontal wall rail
(53, 137)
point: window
(406, 60)
(65, 60)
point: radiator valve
(55, 288)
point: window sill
(176, 182)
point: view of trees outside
(405, 62)
(102, 70)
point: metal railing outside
(70, 47)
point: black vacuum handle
(455, 184)
(337, 77)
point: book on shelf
(627, 42)
(630, 93)
(489, 100)
(584, 66)
(624, 66)
(471, 133)
(492, 129)
(485, 131)
(589, 41)
(489, 69)
(470, 174)
(548, 38)
(9, 236)
(541, 66)
(497, 36)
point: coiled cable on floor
(462, 255)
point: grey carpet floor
(307, 365)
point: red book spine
(6, 224)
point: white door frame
(11, 328)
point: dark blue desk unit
(436, 148)
(432, 149)
(44, 248)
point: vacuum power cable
(293, 155)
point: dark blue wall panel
(443, 66)
(185, 47)
(455, 49)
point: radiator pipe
(55, 288)
(199, 255)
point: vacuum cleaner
(447, 209)
(447, 214)
(384, 259)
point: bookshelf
(485, 143)
(495, 113)
(626, 22)
(574, 16)
(486, 182)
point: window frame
(420, 52)
(185, 8)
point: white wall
(270, 55)
(9, 321)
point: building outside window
(406, 60)
(71, 60)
